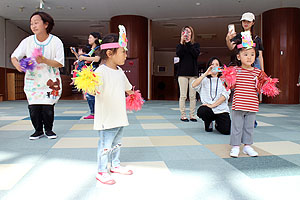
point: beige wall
(165, 59)
(13, 35)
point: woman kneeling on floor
(214, 98)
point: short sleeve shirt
(245, 94)
(43, 84)
(110, 104)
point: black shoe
(50, 135)
(184, 119)
(208, 126)
(193, 119)
(36, 135)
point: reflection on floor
(171, 159)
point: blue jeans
(257, 63)
(109, 148)
(91, 102)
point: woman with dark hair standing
(42, 85)
(94, 41)
(247, 22)
(187, 51)
(214, 98)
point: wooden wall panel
(137, 34)
(166, 88)
(281, 39)
(66, 87)
(3, 80)
(66, 80)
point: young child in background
(110, 106)
(245, 100)
(79, 64)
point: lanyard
(213, 98)
(93, 50)
(42, 45)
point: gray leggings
(242, 127)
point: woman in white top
(42, 85)
(214, 98)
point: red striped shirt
(245, 95)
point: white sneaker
(250, 151)
(234, 152)
(105, 178)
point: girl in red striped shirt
(245, 101)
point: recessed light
(21, 8)
(197, 4)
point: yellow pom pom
(87, 80)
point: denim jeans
(91, 102)
(109, 148)
(256, 63)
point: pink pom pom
(269, 88)
(229, 77)
(134, 101)
(37, 52)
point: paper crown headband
(122, 40)
(247, 41)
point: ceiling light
(21, 8)
(197, 4)
(42, 4)
(83, 8)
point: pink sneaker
(105, 178)
(121, 170)
(89, 117)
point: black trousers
(42, 116)
(223, 122)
